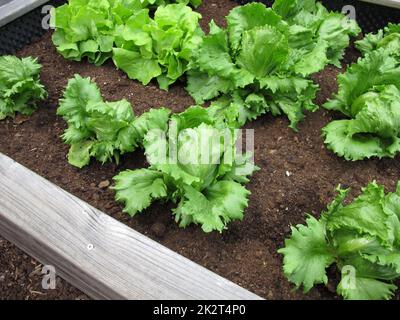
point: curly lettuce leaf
(159, 47)
(362, 238)
(264, 50)
(278, 95)
(20, 86)
(372, 222)
(248, 17)
(318, 27)
(88, 29)
(341, 138)
(195, 157)
(359, 288)
(138, 188)
(99, 129)
(265, 56)
(85, 29)
(214, 207)
(388, 39)
(156, 3)
(307, 255)
(375, 69)
(369, 94)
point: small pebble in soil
(259, 254)
(104, 184)
(20, 119)
(109, 205)
(158, 229)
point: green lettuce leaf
(368, 94)
(261, 62)
(362, 238)
(159, 47)
(99, 129)
(326, 33)
(195, 156)
(214, 207)
(20, 86)
(138, 188)
(85, 29)
(88, 28)
(388, 39)
(365, 289)
(307, 255)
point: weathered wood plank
(56, 228)
(388, 3)
(13, 9)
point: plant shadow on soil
(246, 252)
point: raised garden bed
(298, 174)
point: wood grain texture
(388, 3)
(11, 10)
(56, 228)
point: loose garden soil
(298, 175)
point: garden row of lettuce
(261, 62)
(209, 191)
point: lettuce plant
(193, 162)
(20, 86)
(100, 129)
(315, 32)
(159, 47)
(262, 61)
(87, 28)
(368, 95)
(388, 38)
(361, 238)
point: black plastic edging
(22, 31)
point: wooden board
(13, 9)
(388, 3)
(59, 229)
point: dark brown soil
(21, 278)
(298, 175)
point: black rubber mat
(24, 30)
